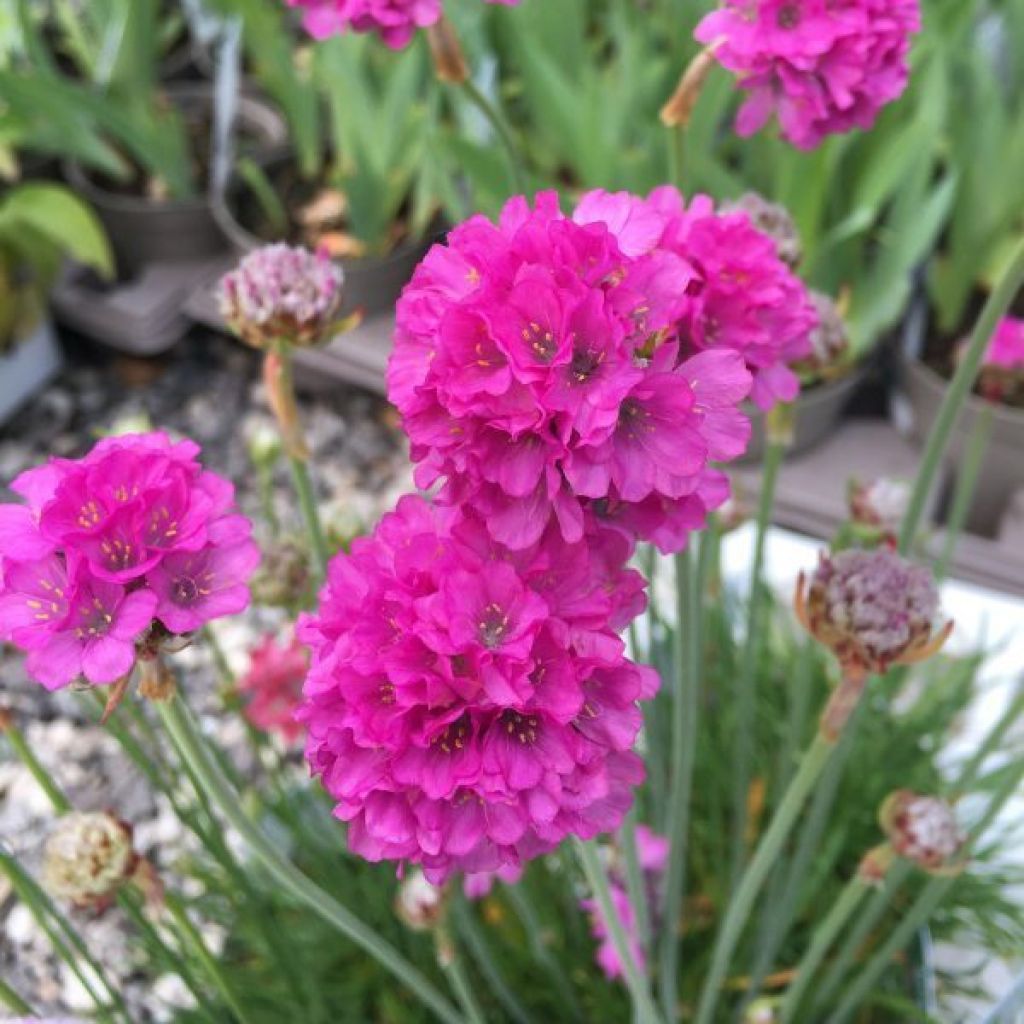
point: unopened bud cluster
(88, 857)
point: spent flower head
(873, 609)
(282, 294)
(922, 829)
(829, 341)
(420, 904)
(880, 503)
(87, 858)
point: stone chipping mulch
(208, 388)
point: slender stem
(635, 886)
(768, 851)
(310, 515)
(13, 1001)
(449, 961)
(824, 935)
(922, 909)
(966, 483)
(957, 391)
(643, 1005)
(476, 943)
(43, 779)
(501, 129)
(204, 956)
(689, 594)
(746, 680)
(677, 155)
(192, 748)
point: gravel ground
(209, 389)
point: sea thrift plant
(87, 858)
(115, 551)
(273, 686)
(468, 706)
(1001, 378)
(823, 68)
(652, 856)
(545, 372)
(282, 293)
(395, 21)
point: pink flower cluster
(469, 706)
(1006, 350)
(822, 66)
(273, 686)
(395, 21)
(652, 855)
(132, 536)
(556, 367)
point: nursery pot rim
(182, 94)
(245, 241)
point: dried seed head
(281, 293)
(419, 904)
(921, 829)
(87, 858)
(829, 341)
(873, 609)
(773, 220)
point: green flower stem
(449, 961)
(192, 748)
(957, 391)
(824, 935)
(477, 944)
(501, 129)
(743, 696)
(43, 779)
(14, 1002)
(541, 953)
(677, 156)
(767, 853)
(66, 941)
(685, 708)
(966, 482)
(310, 515)
(643, 1005)
(194, 940)
(920, 912)
(635, 885)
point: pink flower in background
(538, 369)
(273, 686)
(395, 21)
(822, 67)
(652, 855)
(1006, 350)
(98, 552)
(469, 706)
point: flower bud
(419, 904)
(880, 503)
(282, 294)
(873, 609)
(87, 858)
(921, 829)
(773, 220)
(264, 445)
(449, 60)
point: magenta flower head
(1002, 372)
(134, 542)
(821, 67)
(281, 293)
(921, 829)
(273, 686)
(468, 706)
(395, 21)
(873, 609)
(539, 372)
